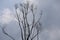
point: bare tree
(25, 27)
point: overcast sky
(50, 18)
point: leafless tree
(25, 27)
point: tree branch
(3, 30)
(34, 36)
(19, 24)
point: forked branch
(3, 30)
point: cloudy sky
(50, 18)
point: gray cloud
(50, 19)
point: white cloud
(7, 16)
